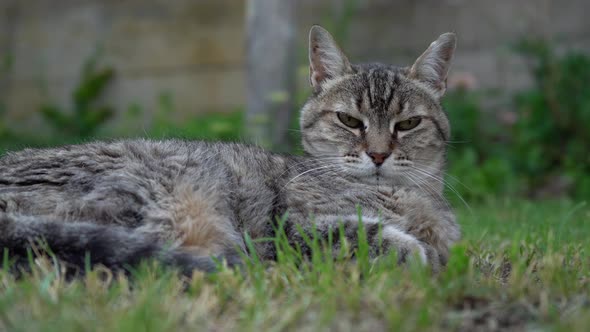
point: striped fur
(186, 203)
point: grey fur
(182, 201)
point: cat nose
(378, 158)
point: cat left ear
(326, 60)
(432, 67)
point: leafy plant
(207, 126)
(545, 151)
(551, 135)
(85, 117)
(477, 153)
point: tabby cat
(375, 139)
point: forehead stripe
(381, 89)
(389, 97)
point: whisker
(310, 161)
(444, 183)
(422, 184)
(303, 173)
(446, 174)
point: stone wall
(194, 50)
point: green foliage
(5, 65)
(86, 117)
(4, 132)
(208, 126)
(476, 179)
(551, 136)
(548, 142)
(477, 152)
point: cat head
(377, 122)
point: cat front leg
(430, 220)
(382, 238)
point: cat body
(375, 141)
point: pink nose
(378, 158)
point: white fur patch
(398, 236)
(395, 235)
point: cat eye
(349, 121)
(408, 124)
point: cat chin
(375, 180)
(378, 177)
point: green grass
(520, 265)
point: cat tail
(80, 245)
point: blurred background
(518, 98)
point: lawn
(521, 265)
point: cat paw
(408, 247)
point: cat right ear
(326, 60)
(432, 67)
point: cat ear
(326, 60)
(433, 65)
